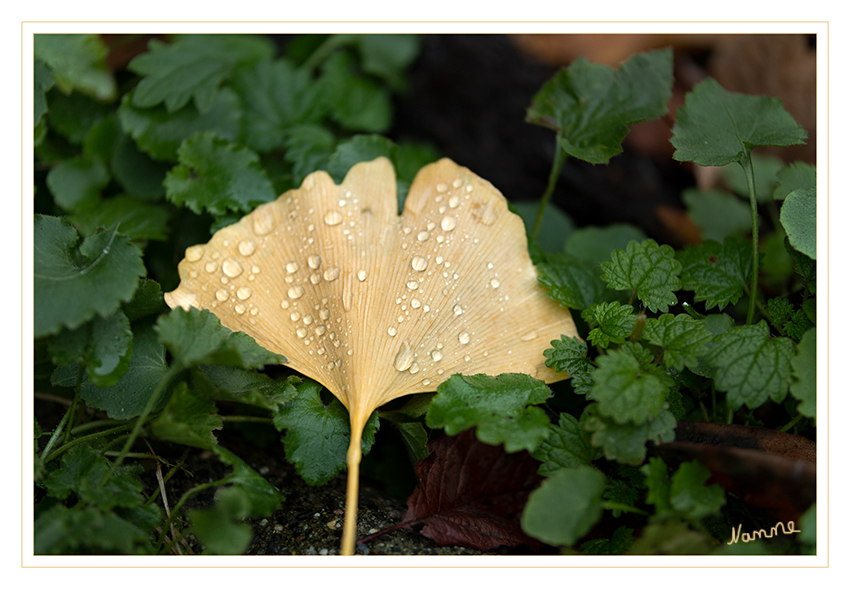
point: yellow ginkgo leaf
(374, 305)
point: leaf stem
(791, 423)
(557, 165)
(83, 439)
(186, 496)
(623, 507)
(56, 433)
(747, 164)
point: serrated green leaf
(147, 300)
(682, 338)
(751, 365)
(595, 244)
(129, 396)
(567, 354)
(717, 273)
(217, 176)
(317, 435)
(765, 169)
(571, 282)
(80, 473)
(230, 383)
(718, 214)
(716, 127)
(73, 284)
(804, 266)
(567, 446)
(360, 148)
(614, 322)
(192, 68)
(564, 508)
(308, 148)
(657, 485)
(797, 175)
(76, 183)
(159, 133)
(648, 270)
(136, 219)
(497, 406)
(187, 419)
(804, 373)
(276, 97)
(798, 325)
(104, 345)
(626, 443)
(799, 218)
(355, 102)
(592, 106)
(77, 62)
(628, 386)
(779, 310)
(198, 337)
(689, 495)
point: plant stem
(747, 164)
(623, 507)
(246, 419)
(56, 433)
(557, 165)
(176, 509)
(83, 439)
(791, 423)
(322, 51)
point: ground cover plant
(678, 350)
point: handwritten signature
(774, 531)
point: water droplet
(239, 309)
(457, 183)
(528, 336)
(324, 314)
(231, 268)
(263, 222)
(361, 275)
(414, 368)
(295, 316)
(392, 331)
(463, 338)
(404, 357)
(333, 218)
(448, 223)
(255, 269)
(436, 355)
(419, 263)
(308, 319)
(284, 304)
(467, 358)
(222, 294)
(412, 285)
(423, 236)
(315, 278)
(295, 292)
(195, 253)
(292, 267)
(426, 382)
(243, 293)
(415, 303)
(320, 330)
(458, 310)
(246, 248)
(454, 201)
(314, 261)
(495, 283)
(211, 267)
(332, 274)
(489, 265)
(442, 187)
(301, 332)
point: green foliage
(77, 63)
(574, 284)
(717, 213)
(648, 270)
(613, 323)
(568, 446)
(799, 218)
(716, 273)
(567, 354)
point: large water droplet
(463, 338)
(263, 222)
(423, 236)
(419, 263)
(295, 316)
(295, 292)
(308, 320)
(392, 331)
(222, 294)
(211, 267)
(332, 273)
(448, 223)
(284, 304)
(239, 309)
(324, 314)
(320, 330)
(292, 267)
(333, 218)
(301, 332)
(414, 368)
(361, 275)
(246, 248)
(415, 303)
(195, 253)
(454, 201)
(404, 357)
(231, 267)
(458, 310)
(314, 261)
(243, 293)
(315, 278)
(436, 355)
(412, 285)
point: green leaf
(308, 148)
(355, 102)
(657, 485)
(804, 266)
(159, 133)
(592, 106)
(129, 396)
(76, 183)
(192, 68)
(136, 219)
(496, 405)
(621, 541)
(77, 63)
(80, 473)
(276, 97)
(229, 383)
(136, 172)
(73, 116)
(217, 176)
(564, 508)
(64, 531)
(717, 273)
(360, 148)
(751, 365)
(765, 170)
(44, 81)
(73, 284)
(568, 446)
(804, 373)
(614, 322)
(648, 270)
(318, 435)
(808, 525)
(595, 244)
(718, 214)
(797, 175)
(799, 218)
(716, 127)
(567, 354)
(689, 495)
(216, 530)
(628, 386)
(387, 56)
(147, 300)
(626, 443)
(198, 337)
(571, 282)
(104, 345)
(554, 229)
(682, 339)
(260, 498)
(187, 419)
(673, 536)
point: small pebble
(264, 522)
(278, 528)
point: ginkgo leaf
(374, 305)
